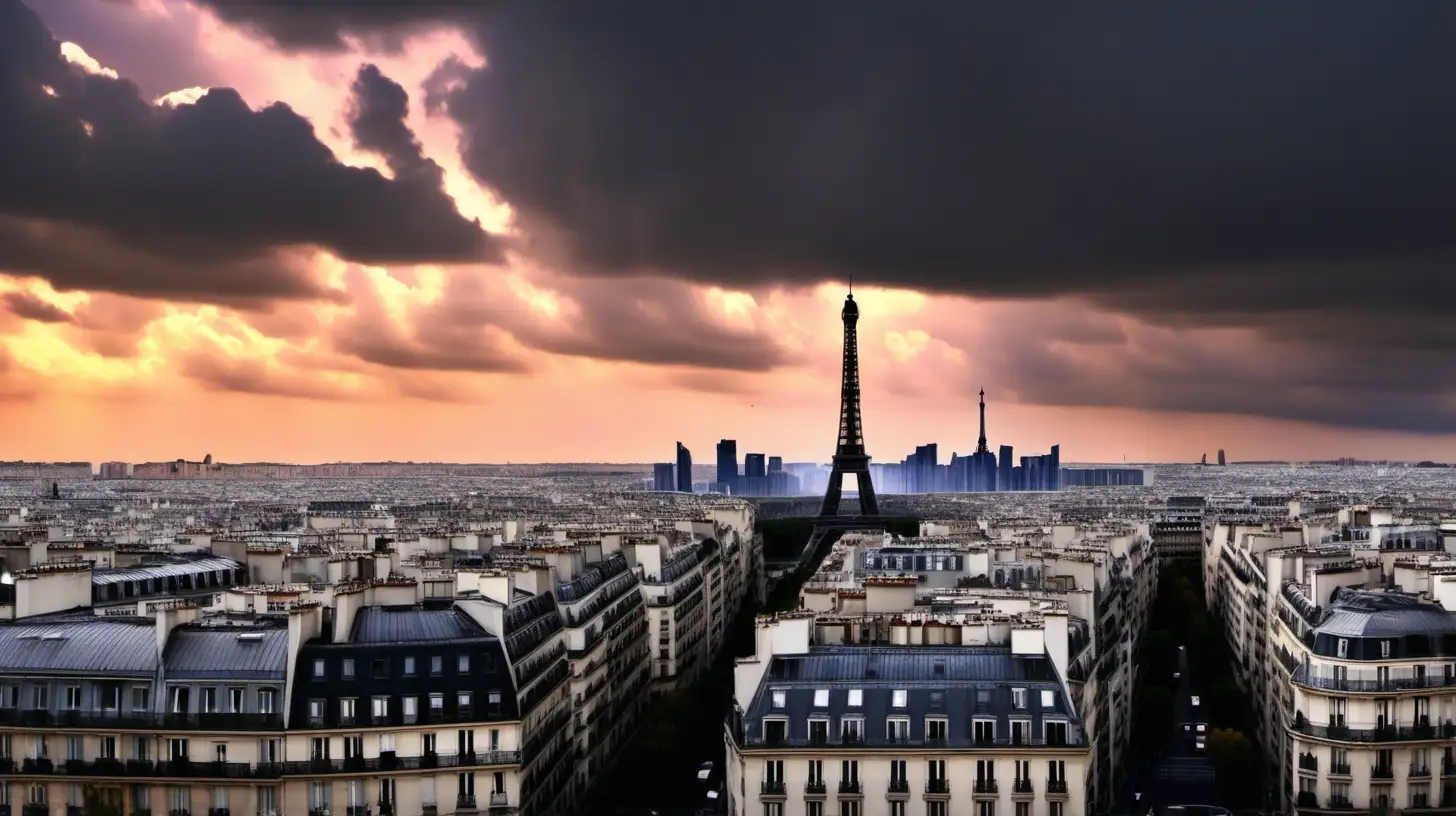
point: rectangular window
(9, 696)
(1018, 698)
(821, 698)
(73, 697)
(316, 712)
(75, 748)
(141, 698)
(209, 700)
(897, 729)
(318, 668)
(856, 698)
(1048, 699)
(983, 730)
(779, 697)
(462, 664)
(235, 700)
(381, 669)
(40, 698)
(437, 665)
(348, 668)
(267, 698)
(180, 703)
(379, 709)
(178, 752)
(437, 705)
(1342, 648)
(936, 729)
(409, 667)
(462, 704)
(410, 710)
(851, 729)
(107, 749)
(347, 711)
(899, 698)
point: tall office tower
(753, 466)
(684, 469)
(662, 477)
(849, 453)
(1003, 475)
(1221, 460)
(775, 464)
(728, 462)
(1054, 468)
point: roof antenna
(851, 283)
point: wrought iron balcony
(1056, 786)
(1022, 786)
(773, 787)
(1382, 772)
(465, 801)
(986, 786)
(941, 786)
(850, 786)
(815, 787)
(899, 785)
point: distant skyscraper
(662, 477)
(684, 469)
(775, 464)
(728, 462)
(1004, 479)
(753, 466)
(1204, 461)
(1221, 460)
(1054, 469)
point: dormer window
(856, 698)
(1385, 650)
(1048, 699)
(1342, 648)
(779, 697)
(1018, 698)
(899, 698)
(821, 698)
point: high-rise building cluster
(984, 666)
(760, 475)
(1342, 621)
(451, 657)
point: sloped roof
(192, 567)
(384, 625)
(1355, 613)
(86, 646)
(227, 653)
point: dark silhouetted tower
(849, 455)
(728, 462)
(1221, 460)
(775, 464)
(684, 469)
(754, 466)
(981, 442)
(662, 477)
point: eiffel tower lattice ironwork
(850, 456)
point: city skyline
(405, 289)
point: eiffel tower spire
(981, 443)
(849, 454)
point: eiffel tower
(850, 456)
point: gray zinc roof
(383, 625)
(195, 567)
(227, 653)
(94, 646)
(1382, 615)
(972, 682)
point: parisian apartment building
(357, 660)
(1339, 619)
(979, 668)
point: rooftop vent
(53, 636)
(250, 637)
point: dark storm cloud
(324, 24)
(210, 190)
(973, 147)
(377, 123)
(28, 306)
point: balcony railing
(937, 786)
(816, 788)
(138, 720)
(498, 799)
(1382, 772)
(899, 785)
(244, 770)
(465, 801)
(1056, 786)
(986, 786)
(850, 786)
(1339, 769)
(1419, 771)
(1022, 786)
(1340, 803)
(1308, 762)
(773, 787)
(1389, 733)
(1404, 681)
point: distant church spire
(981, 443)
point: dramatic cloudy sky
(546, 231)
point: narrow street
(1182, 774)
